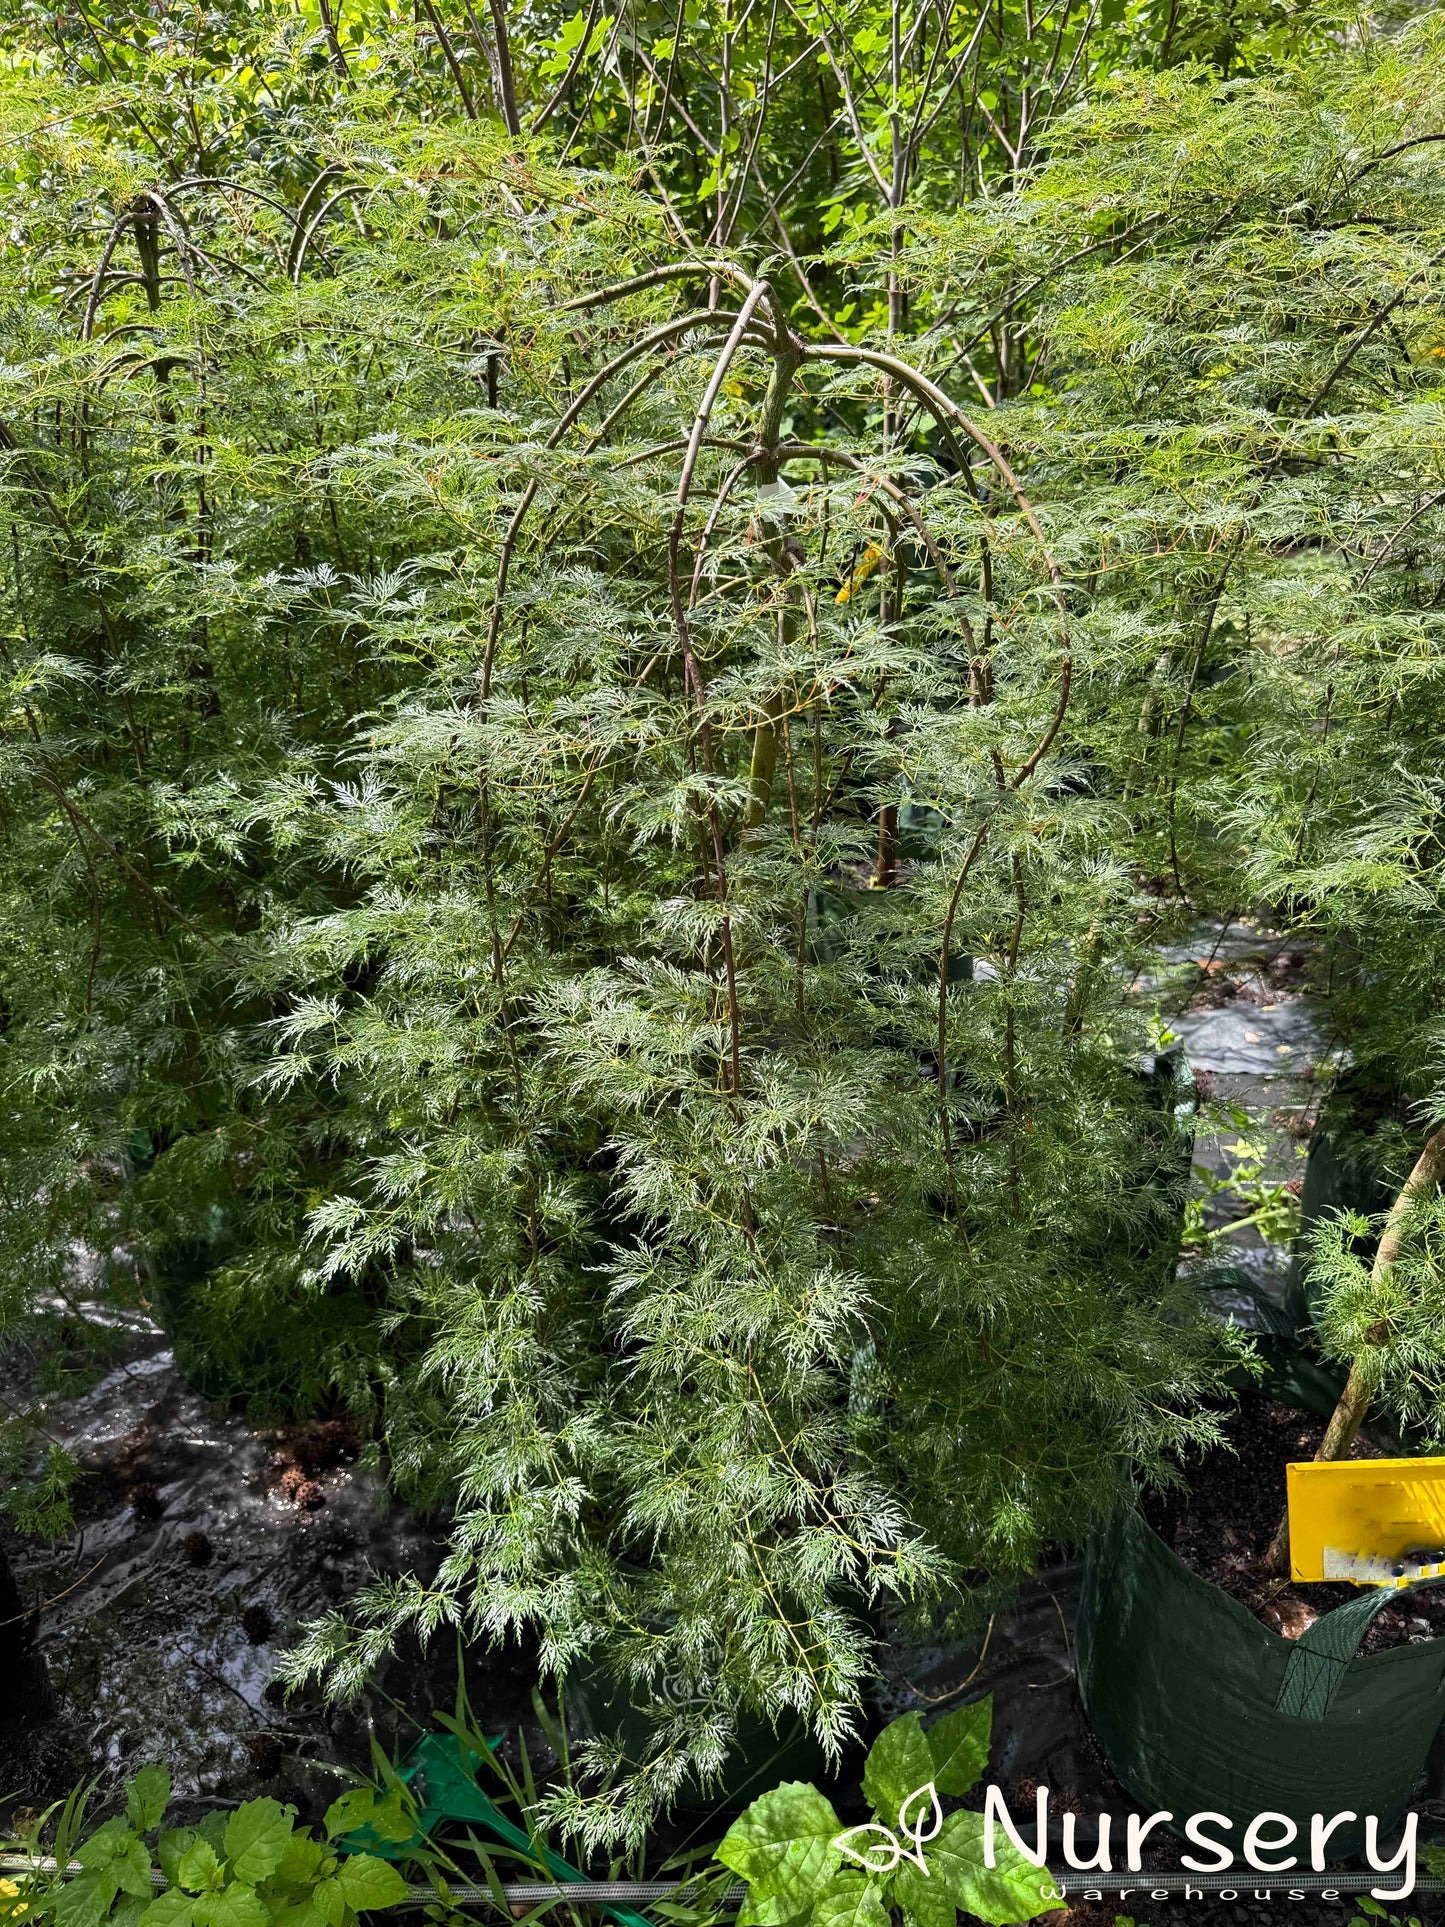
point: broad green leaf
(353, 1809)
(1013, 1890)
(82, 1902)
(871, 1846)
(256, 1836)
(393, 1818)
(783, 1846)
(367, 1881)
(850, 1900)
(300, 1862)
(296, 1913)
(174, 1909)
(212, 1829)
(171, 1848)
(131, 1869)
(959, 1745)
(129, 1911)
(147, 1797)
(359, 1807)
(760, 1911)
(200, 1868)
(923, 1897)
(925, 1901)
(236, 1905)
(330, 1902)
(899, 1763)
(109, 1842)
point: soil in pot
(1221, 1521)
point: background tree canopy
(621, 631)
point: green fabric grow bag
(1199, 1708)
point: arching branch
(674, 271)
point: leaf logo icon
(878, 1849)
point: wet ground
(1240, 1002)
(200, 1546)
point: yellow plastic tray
(1375, 1522)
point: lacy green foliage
(1392, 1326)
(569, 873)
(780, 131)
(804, 1869)
(1237, 400)
(453, 830)
(251, 1867)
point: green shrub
(250, 1867)
(804, 1869)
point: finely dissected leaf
(147, 1797)
(959, 1743)
(199, 1870)
(513, 904)
(899, 1763)
(783, 1845)
(1012, 1890)
(256, 1837)
(850, 1900)
(367, 1881)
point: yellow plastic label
(1374, 1522)
(872, 556)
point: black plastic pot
(1199, 1708)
